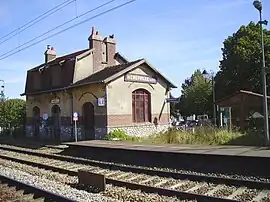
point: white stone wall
(141, 130)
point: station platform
(192, 149)
(243, 160)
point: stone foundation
(140, 130)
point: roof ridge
(126, 63)
(66, 56)
(72, 53)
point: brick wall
(123, 120)
(97, 55)
(110, 53)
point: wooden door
(88, 115)
(36, 121)
(56, 117)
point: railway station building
(106, 90)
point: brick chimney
(110, 49)
(50, 54)
(96, 42)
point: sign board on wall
(173, 100)
(101, 101)
(140, 78)
(45, 116)
(55, 101)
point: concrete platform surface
(192, 149)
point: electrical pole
(2, 100)
(2, 90)
(258, 5)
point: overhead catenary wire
(75, 25)
(29, 24)
(57, 27)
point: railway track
(12, 190)
(183, 186)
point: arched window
(141, 106)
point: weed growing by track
(205, 135)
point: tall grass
(205, 135)
(201, 135)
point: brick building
(107, 91)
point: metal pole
(2, 99)
(75, 132)
(214, 101)
(265, 107)
(230, 119)
(221, 119)
(2, 90)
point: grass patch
(201, 136)
(119, 135)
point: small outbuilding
(244, 104)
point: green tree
(12, 113)
(240, 67)
(196, 95)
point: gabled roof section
(140, 62)
(120, 58)
(236, 98)
(59, 59)
(111, 73)
(102, 75)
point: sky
(175, 36)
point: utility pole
(2, 99)
(2, 90)
(211, 76)
(258, 5)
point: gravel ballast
(53, 186)
(118, 193)
(222, 175)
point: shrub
(117, 135)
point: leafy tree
(196, 95)
(12, 113)
(240, 67)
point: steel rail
(149, 171)
(134, 186)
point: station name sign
(140, 78)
